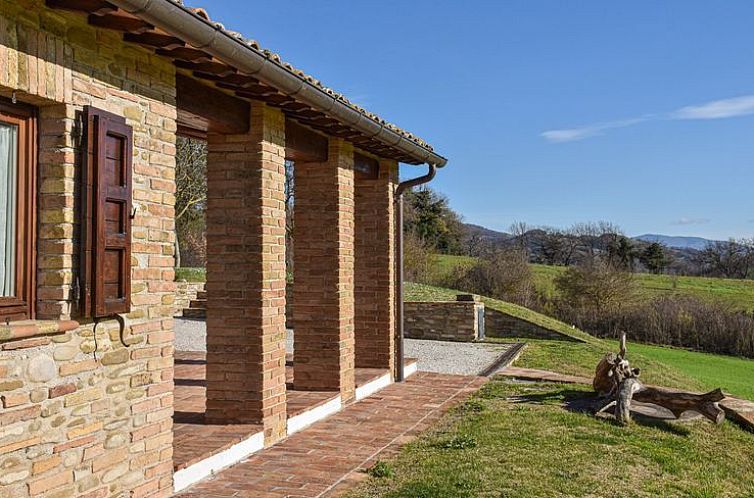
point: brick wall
(442, 321)
(84, 414)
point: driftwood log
(617, 382)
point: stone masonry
(499, 324)
(442, 320)
(323, 307)
(246, 275)
(84, 414)
(374, 326)
(185, 292)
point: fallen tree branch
(617, 381)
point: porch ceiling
(202, 65)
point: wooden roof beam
(120, 21)
(223, 113)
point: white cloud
(691, 221)
(716, 109)
(580, 133)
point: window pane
(8, 207)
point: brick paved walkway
(193, 440)
(327, 457)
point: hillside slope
(736, 293)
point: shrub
(595, 286)
(417, 259)
(684, 322)
(504, 274)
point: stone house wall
(442, 321)
(85, 413)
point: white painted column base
(410, 369)
(307, 418)
(373, 386)
(205, 468)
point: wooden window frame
(22, 306)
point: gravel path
(459, 358)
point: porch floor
(194, 440)
(327, 457)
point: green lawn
(191, 274)
(734, 375)
(580, 359)
(514, 440)
(737, 293)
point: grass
(514, 440)
(191, 274)
(580, 359)
(736, 293)
(707, 370)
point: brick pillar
(323, 273)
(246, 275)
(375, 268)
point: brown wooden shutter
(106, 231)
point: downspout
(398, 199)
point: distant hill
(697, 243)
(485, 233)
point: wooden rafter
(120, 21)
(154, 39)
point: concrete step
(198, 304)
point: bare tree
(191, 191)
(520, 231)
(290, 191)
(731, 259)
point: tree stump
(616, 381)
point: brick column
(246, 275)
(323, 273)
(375, 268)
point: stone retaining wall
(499, 324)
(185, 292)
(442, 320)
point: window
(17, 216)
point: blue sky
(550, 112)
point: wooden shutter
(106, 231)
